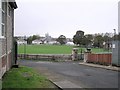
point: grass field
(24, 77)
(46, 49)
(52, 49)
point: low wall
(45, 56)
(59, 57)
(104, 58)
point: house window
(3, 19)
(3, 30)
(0, 18)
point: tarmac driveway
(79, 75)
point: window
(3, 30)
(3, 19)
(0, 3)
(0, 18)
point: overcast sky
(65, 17)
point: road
(83, 76)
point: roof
(13, 4)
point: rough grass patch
(24, 77)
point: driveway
(79, 75)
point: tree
(31, 38)
(35, 37)
(98, 41)
(62, 39)
(88, 40)
(78, 37)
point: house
(43, 40)
(53, 41)
(37, 41)
(69, 41)
(21, 41)
(6, 35)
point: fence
(104, 58)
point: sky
(65, 17)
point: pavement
(75, 74)
(110, 67)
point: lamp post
(114, 34)
(24, 47)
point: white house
(37, 41)
(69, 43)
(20, 42)
(53, 42)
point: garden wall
(45, 56)
(102, 58)
(59, 57)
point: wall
(9, 36)
(59, 57)
(45, 56)
(105, 58)
(6, 42)
(0, 58)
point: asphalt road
(84, 76)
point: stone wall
(58, 57)
(45, 56)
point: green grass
(24, 77)
(46, 49)
(53, 49)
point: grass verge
(25, 77)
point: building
(116, 43)
(37, 41)
(43, 40)
(6, 35)
(21, 42)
